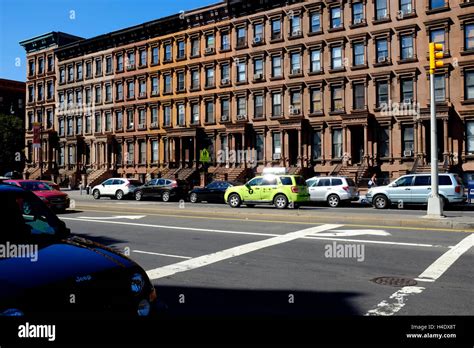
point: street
(209, 259)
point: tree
(11, 143)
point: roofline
(51, 33)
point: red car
(54, 199)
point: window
(98, 66)
(119, 91)
(142, 152)
(70, 125)
(108, 122)
(154, 115)
(49, 118)
(166, 147)
(131, 60)
(440, 88)
(168, 86)
(167, 115)
(295, 25)
(384, 142)
(130, 119)
(40, 92)
(359, 54)
(130, 153)
(168, 49)
(225, 41)
(79, 126)
(381, 9)
(210, 112)
(258, 106)
(357, 13)
(181, 49)
(154, 151)
(142, 55)
(131, 89)
(70, 151)
(210, 81)
(225, 73)
(241, 37)
(79, 71)
(359, 96)
(225, 109)
(241, 106)
(382, 93)
(154, 85)
(276, 104)
(119, 155)
(70, 99)
(469, 85)
(70, 73)
(434, 4)
(336, 57)
(120, 63)
(40, 65)
(337, 143)
(276, 29)
(422, 180)
(181, 115)
(258, 66)
(61, 127)
(438, 36)
(470, 137)
(155, 55)
(108, 65)
(210, 42)
(276, 145)
(119, 120)
(276, 66)
(408, 139)
(259, 146)
(195, 113)
(98, 123)
(337, 102)
(406, 7)
(31, 93)
(295, 63)
(315, 60)
(108, 93)
(315, 22)
(88, 70)
(79, 98)
(181, 81)
(194, 79)
(317, 148)
(141, 118)
(98, 95)
(316, 101)
(258, 33)
(194, 47)
(295, 99)
(336, 20)
(407, 91)
(407, 51)
(62, 76)
(241, 71)
(469, 36)
(88, 124)
(39, 117)
(382, 50)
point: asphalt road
(203, 263)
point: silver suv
(332, 190)
(415, 189)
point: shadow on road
(69, 211)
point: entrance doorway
(293, 147)
(357, 144)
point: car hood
(61, 261)
(50, 194)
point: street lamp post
(435, 203)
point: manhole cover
(394, 281)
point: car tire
(96, 194)
(380, 202)
(250, 205)
(280, 201)
(138, 195)
(333, 200)
(193, 198)
(166, 196)
(234, 200)
(119, 195)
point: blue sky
(23, 19)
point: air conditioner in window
(225, 81)
(130, 66)
(295, 111)
(277, 156)
(383, 59)
(241, 117)
(141, 126)
(142, 94)
(210, 50)
(257, 40)
(358, 20)
(295, 71)
(154, 124)
(154, 92)
(258, 76)
(296, 33)
(407, 153)
(224, 118)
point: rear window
(286, 180)
(445, 180)
(336, 182)
(135, 182)
(350, 182)
(299, 181)
(458, 180)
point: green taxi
(279, 190)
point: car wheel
(193, 198)
(96, 194)
(333, 201)
(234, 200)
(119, 195)
(380, 202)
(250, 205)
(166, 196)
(138, 195)
(280, 201)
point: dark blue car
(46, 271)
(213, 192)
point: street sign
(204, 156)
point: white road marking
(363, 241)
(205, 260)
(350, 233)
(432, 273)
(129, 217)
(159, 254)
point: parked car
(52, 266)
(54, 199)
(14, 175)
(332, 190)
(52, 184)
(116, 188)
(213, 192)
(166, 189)
(415, 189)
(279, 190)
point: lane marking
(350, 233)
(398, 300)
(159, 254)
(129, 217)
(206, 260)
(318, 236)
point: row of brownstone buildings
(321, 87)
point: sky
(24, 19)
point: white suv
(118, 188)
(332, 190)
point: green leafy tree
(11, 143)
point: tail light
(295, 189)
(457, 189)
(346, 188)
(175, 184)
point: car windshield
(35, 186)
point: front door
(321, 188)
(421, 189)
(253, 190)
(357, 144)
(402, 192)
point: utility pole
(435, 203)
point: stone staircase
(356, 172)
(232, 174)
(180, 173)
(295, 170)
(426, 168)
(98, 176)
(34, 173)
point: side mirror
(393, 184)
(248, 186)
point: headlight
(143, 308)
(12, 312)
(43, 199)
(137, 283)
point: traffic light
(436, 53)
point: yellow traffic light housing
(436, 53)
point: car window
(168, 182)
(255, 181)
(350, 182)
(445, 180)
(118, 182)
(213, 185)
(269, 180)
(225, 185)
(134, 182)
(310, 182)
(108, 182)
(336, 182)
(404, 181)
(152, 182)
(35, 186)
(299, 181)
(324, 182)
(286, 180)
(422, 180)
(160, 182)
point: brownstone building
(321, 87)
